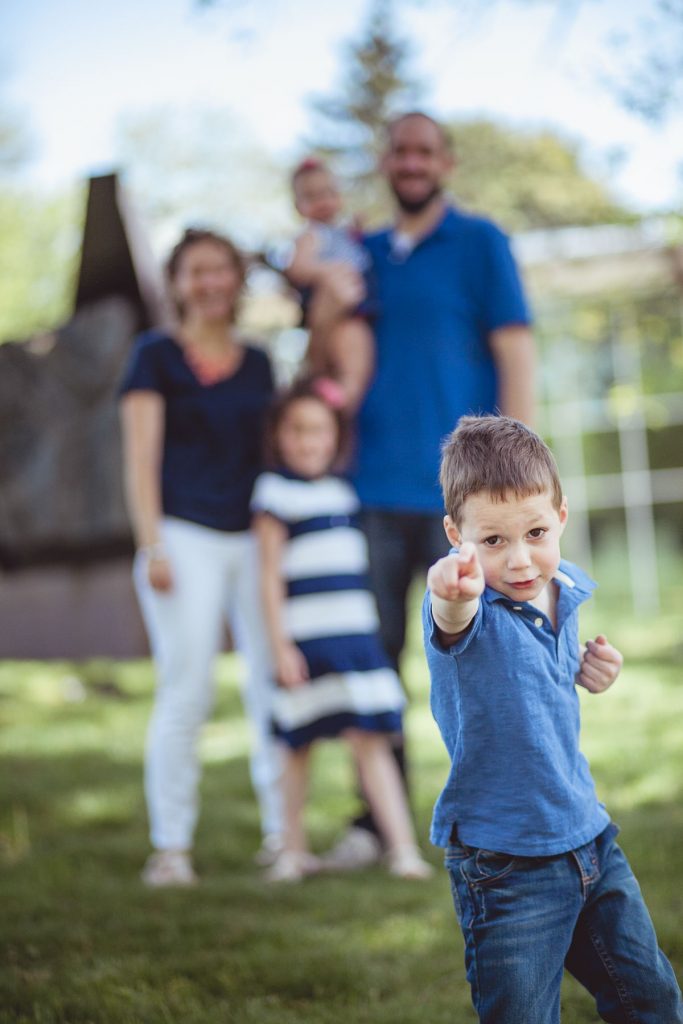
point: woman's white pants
(215, 577)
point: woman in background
(192, 407)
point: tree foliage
(15, 143)
(377, 85)
(524, 179)
(350, 124)
(39, 245)
(527, 180)
(647, 50)
(647, 45)
(39, 236)
(200, 167)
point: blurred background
(123, 122)
(567, 130)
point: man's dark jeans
(400, 545)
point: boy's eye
(537, 532)
(492, 541)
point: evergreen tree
(523, 179)
(351, 125)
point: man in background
(452, 337)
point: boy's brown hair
(498, 455)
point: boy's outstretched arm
(455, 583)
(600, 665)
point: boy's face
(517, 540)
(317, 197)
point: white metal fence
(634, 485)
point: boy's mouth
(522, 584)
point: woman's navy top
(212, 450)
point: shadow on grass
(84, 941)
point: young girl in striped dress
(334, 677)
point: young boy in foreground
(538, 881)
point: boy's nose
(518, 556)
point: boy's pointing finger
(467, 558)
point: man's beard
(416, 205)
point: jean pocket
(487, 866)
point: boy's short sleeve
(431, 632)
(144, 369)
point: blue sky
(71, 68)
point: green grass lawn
(83, 941)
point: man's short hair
(497, 455)
(400, 118)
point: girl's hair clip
(309, 163)
(330, 391)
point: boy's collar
(562, 577)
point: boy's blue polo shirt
(506, 704)
(434, 311)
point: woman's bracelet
(154, 552)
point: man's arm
(304, 263)
(514, 355)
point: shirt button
(538, 621)
(516, 607)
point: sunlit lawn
(83, 941)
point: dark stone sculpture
(65, 541)
(60, 462)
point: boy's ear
(452, 531)
(563, 512)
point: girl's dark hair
(322, 389)
(194, 236)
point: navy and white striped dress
(330, 613)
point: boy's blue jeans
(525, 919)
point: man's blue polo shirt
(435, 310)
(506, 704)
